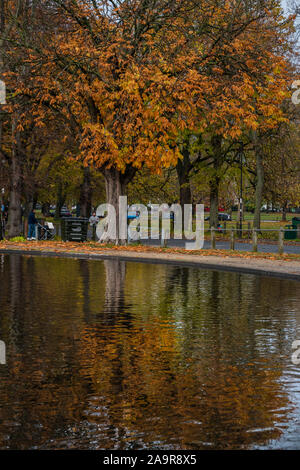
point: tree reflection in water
(123, 355)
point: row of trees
(109, 90)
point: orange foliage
(131, 78)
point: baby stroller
(46, 231)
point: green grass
(275, 216)
(17, 239)
(270, 222)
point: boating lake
(122, 355)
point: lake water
(115, 355)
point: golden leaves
(131, 95)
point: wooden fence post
(280, 241)
(254, 240)
(232, 240)
(249, 230)
(213, 238)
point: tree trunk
(27, 209)
(14, 210)
(183, 168)
(214, 201)
(46, 209)
(34, 200)
(284, 211)
(85, 198)
(60, 200)
(258, 188)
(215, 180)
(116, 186)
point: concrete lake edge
(261, 267)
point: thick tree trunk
(185, 191)
(259, 187)
(85, 198)
(14, 210)
(183, 168)
(116, 186)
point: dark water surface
(115, 355)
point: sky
(285, 6)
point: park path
(225, 245)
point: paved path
(223, 245)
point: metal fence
(251, 234)
(229, 234)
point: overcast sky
(285, 4)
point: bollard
(163, 239)
(213, 238)
(280, 241)
(232, 240)
(254, 240)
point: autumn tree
(247, 81)
(282, 168)
(21, 143)
(130, 78)
(122, 74)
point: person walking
(31, 225)
(93, 220)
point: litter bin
(290, 232)
(296, 225)
(74, 229)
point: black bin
(74, 229)
(296, 222)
